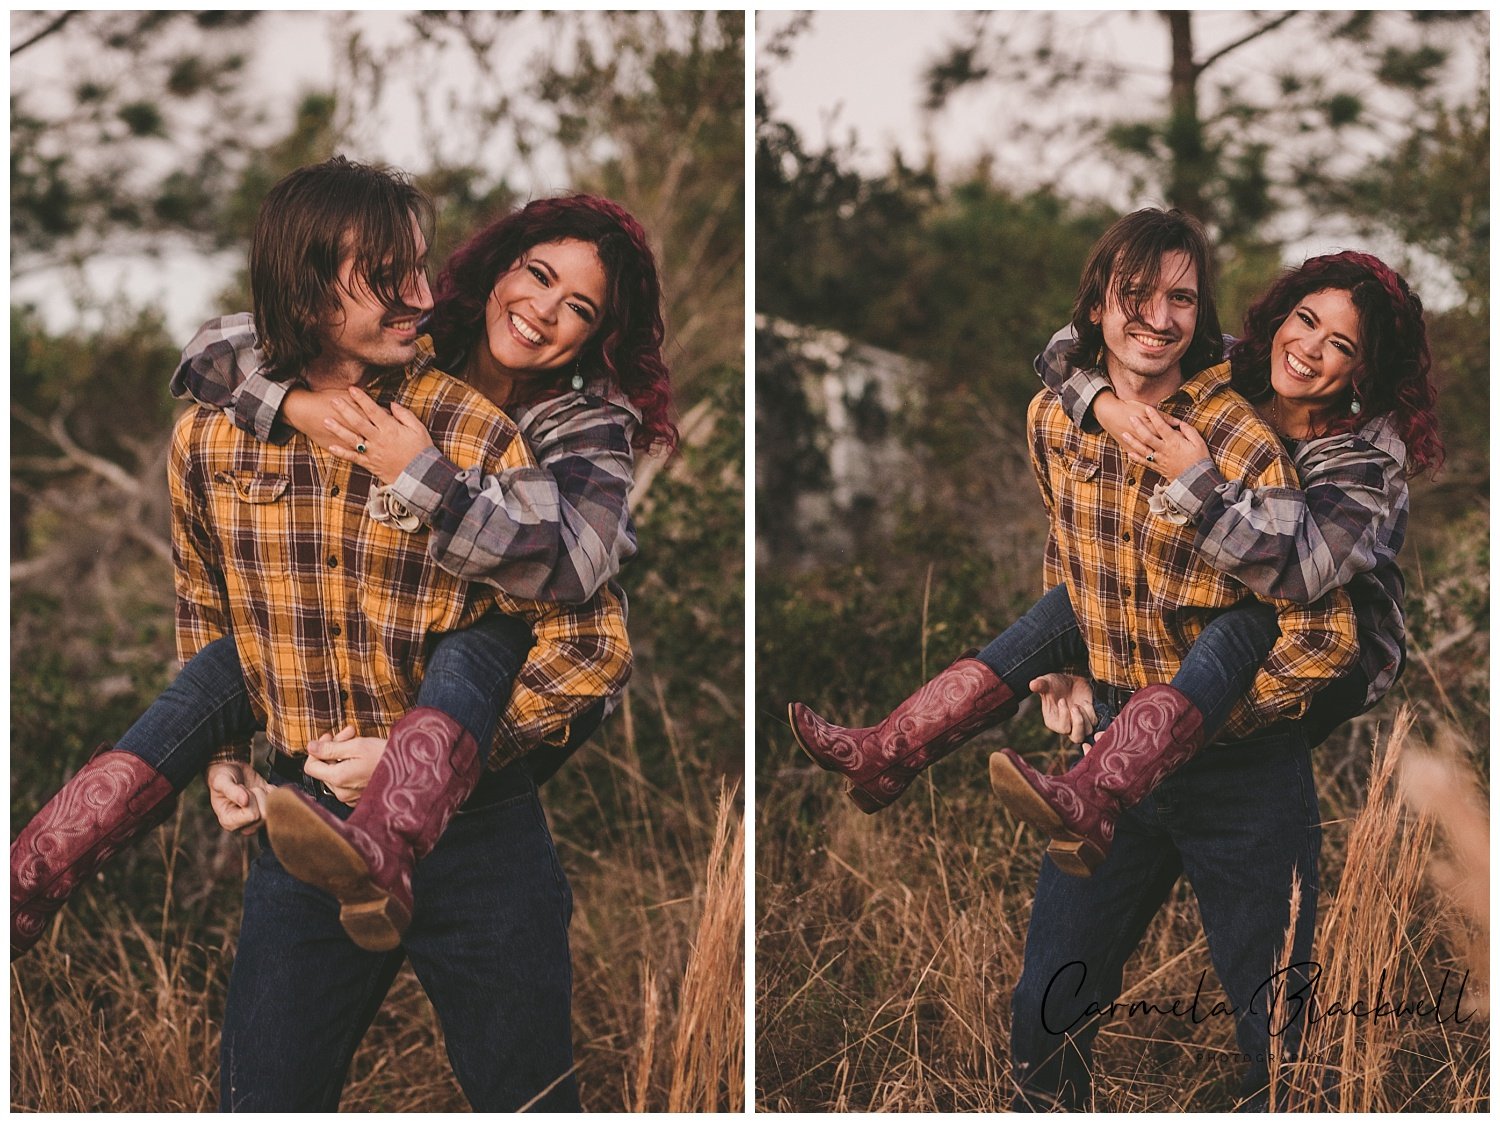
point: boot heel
(375, 925)
(1077, 857)
(866, 802)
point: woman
(579, 369)
(1335, 358)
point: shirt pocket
(1079, 466)
(253, 512)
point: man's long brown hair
(1126, 260)
(306, 224)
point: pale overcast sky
(292, 52)
(862, 72)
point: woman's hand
(1163, 443)
(307, 410)
(1116, 417)
(238, 796)
(390, 440)
(1067, 705)
(344, 762)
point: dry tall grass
(117, 1013)
(888, 945)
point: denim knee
(1220, 667)
(471, 672)
(204, 708)
(1044, 639)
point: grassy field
(887, 946)
(118, 1009)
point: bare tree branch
(1248, 37)
(55, 429)
(54, 26)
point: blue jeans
(469, 677)
(1045, 639)
(1236, 820)
(1216, 672)
(488, 942)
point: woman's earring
(1354, 406)
(578, 374)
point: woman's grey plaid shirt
(1344, 527)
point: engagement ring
(360, 448)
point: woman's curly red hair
(1395, 374)
(626, 346)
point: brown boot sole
(313, 852)
(1072, 853)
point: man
(334, 614)
(1239, 819)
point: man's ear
(1096, 313)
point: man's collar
(386, 382)
(1201, 386)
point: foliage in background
(1245, 144)
(120, 1009)
(887, 945)
(142, 142)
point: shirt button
(334, 629)
(1126, 536)
(334, 490)
(333, 562)
(343, 695)
(1130, 481)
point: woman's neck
(495, 382)
(1291, 419)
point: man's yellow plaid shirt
(333, 613)
(1140, 590)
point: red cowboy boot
(882, 760)
(114, 799)
(1158, 730)
(430, 765)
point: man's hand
(344, 762)
(238, 796)
(380, 441)
(1067, 705)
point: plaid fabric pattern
(221, 367)
(558, 529)
(1343, 526)
(333, 611)
(1140, 589)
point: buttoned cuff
(257, 408)
(422, 484)
(236, 753)
(1195, 487)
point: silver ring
(360, 448)
(1150, 456)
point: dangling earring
(578, 374)
(1354, 406)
